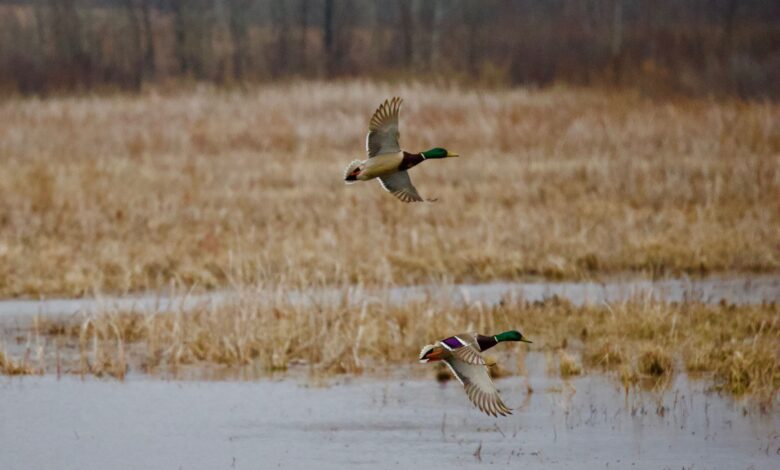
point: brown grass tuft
(10, 366)
(655, 362)
(568, 365)
(604, 354)
(628, 376)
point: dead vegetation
(568, 365)
(210, 188)
(20, 366)
(640, 342)
(734, 346)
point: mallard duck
(386, 160)
(462, 353)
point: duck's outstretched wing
(479, 388)
(400, 185)
(462, 348)
(469, 355)
(383, 132)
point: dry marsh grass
(568, 365)
(209, 187)
(735, 347)
(21, 366)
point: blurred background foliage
(690, 47)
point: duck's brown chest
(410, 160)
(486, 342)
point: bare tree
(473, 18)
(193, 21)
(303, 27)
(328, 37)
(150, 65)
(179, 31)
(406, 30)
(616, 44)
(133, 71)
(70, 55)
(280, 62)
(435, 54)
(238, 26)
(728, 15)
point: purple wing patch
(453, 342)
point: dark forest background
(696, 47)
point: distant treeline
(676, 46)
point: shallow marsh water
(587, 423)
(738, 290)
(407, 421)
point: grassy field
(214, 188)
(639, 342)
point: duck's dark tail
(353, 169)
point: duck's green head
(438, 152)
(512, 335)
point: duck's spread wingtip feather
(386, 111)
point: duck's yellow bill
(450, 154)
